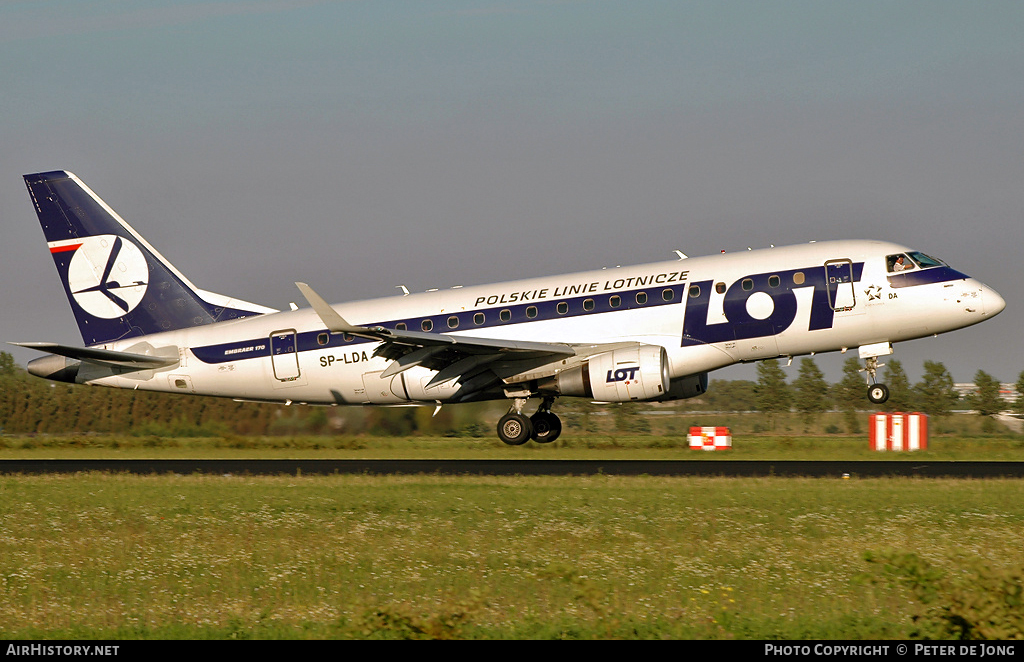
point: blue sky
(361, 145)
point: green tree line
(810, 395)
(32, 405)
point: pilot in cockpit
(899, 262)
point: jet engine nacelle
(686, 387)
(621, 375)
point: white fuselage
(706, 312)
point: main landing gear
(877, 393)
(515, 428)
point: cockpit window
(925, 261)
(898, 262)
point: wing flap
(411, 360)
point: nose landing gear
(877, 393)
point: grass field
(126, 557)
(116, 556)
(746, 446)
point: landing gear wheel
(878, 393)
(514, 429)
(546, 427)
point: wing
(474, 362)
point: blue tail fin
(118, 285)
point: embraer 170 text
(650, 332)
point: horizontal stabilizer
(101, 356)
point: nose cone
(993, 303)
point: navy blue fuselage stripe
(925, 277)
(546, 310)
(696, 330)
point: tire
(546, 427)
(878, 393)
(514, 429)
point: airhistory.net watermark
(68, 650)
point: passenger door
(284, 355)
(839, 281)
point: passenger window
(562, 308)
(453, 322)
(588, 304)
(748, 284)
(695, 291)
(323, 339)
(774, 281)
(426, 325)
(641, 298)
(505, 315)
(479, 319)
(719, 287)
(531, 312)
(346, 337)
(798, 278)
(401, 326)
(615, 301)
(667, 294)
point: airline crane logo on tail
(107, 275)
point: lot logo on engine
(621, 375)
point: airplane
(650, 332)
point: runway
(729, 468)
